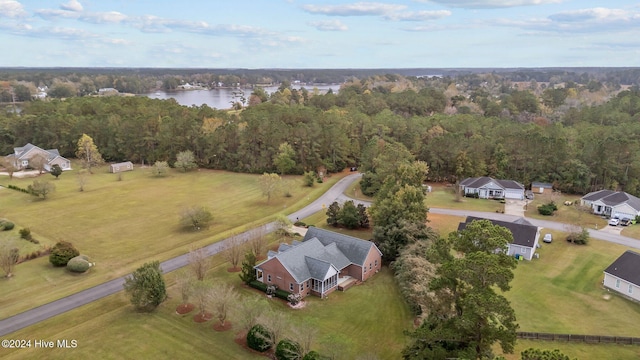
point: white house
(525, 236)
(22, 156)
(489, 188)
(120, 167)
(612, 203)
(623, 275)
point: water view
(223, 98)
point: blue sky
(319, 34)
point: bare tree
(270, 184)
(199, 262)
(257, 241)
(305, 334)
(185, 281)
(9, 256)
(38, 162)
(233, 251)
(83, 178)
(202, 295)
(8, 166)
(223, 298)
(249, 311)
(277, 322)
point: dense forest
(581, 136)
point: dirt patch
(202, 317)
(234, 269)
(300, 305)
(185, 309)
(220, 327)
(514, 207)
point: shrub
(294, 299)
(309, 178)
(62, 252)
(259, 338)
(6, 225)
(78, 265)
(271, 289)
(579, 238)
(281, 294)
(25, 234)
(313, 355)
(288, 350)
(258, 285)
(547, 209)
(300, 224)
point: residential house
(623, 275)
(489, 188)
(541, 188)
(120, 167)
(525, 236)
(321, 263)
(612, 203)
(22, 156)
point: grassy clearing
(562, 291)
(370, 317)
(122, 224)
(564, 214)
(579, 351)
(442, 196)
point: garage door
(514, 194)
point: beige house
(22, 157)
(323, 262)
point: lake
(223, 98)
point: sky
(319, 34)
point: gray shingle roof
(523, 235)
(541, 185)
(626, 267)
(317, 268)
(356, 250)
(613, 198)
(484, 180)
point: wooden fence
(626, 340)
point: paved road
(70, 302)
(57, 307)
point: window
(618, 284)
(376, 263)
(365, 268)
(269, 278)
(370, 266)
(290, 286)
(630, 289)
(301, 286)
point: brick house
(321, 263)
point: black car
(625, 222)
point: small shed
(541, 188)
(120, 167)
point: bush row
(35, 254)
(17, 188)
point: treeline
(586, 148)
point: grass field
(121, 224)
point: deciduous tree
(196, 217)
(8, 166)
(223, 299)
(88, 153)
(284, 160)
(146, 287)
(41, 188)
(185, 161)
(160, 168)
(233, 251)
(349, 216)
(83, 178)
(38, 162)
(199, 263)
(9, 256)
(270, 184)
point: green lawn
(580, 351)
(369, 318)
(122, 224)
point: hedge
(78, 265)
(259, 338)
(258, 285)
(288, 350)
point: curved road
(60, 306)
(70, 302)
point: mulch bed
(219, 327)
(200, 317)
(185, 308)
(233, 269)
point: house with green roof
(320, 264)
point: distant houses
(611, 203)
(23, 157)
(489, 188)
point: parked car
(614, 222)
(625, 222)
(547, 238)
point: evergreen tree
(146, 287)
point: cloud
(594, 20)
(72, 5)
(418, 15)
(490, 4)
(94, 18)
(356, 9)
(329, 25)
(11, 9)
